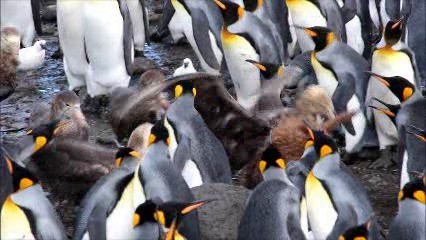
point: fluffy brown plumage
(138, 140)
(10, 42)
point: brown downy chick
(139, 139)
(10, 43)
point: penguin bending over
(27, 213)
(336, 201)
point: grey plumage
(297, 171)
(127, 35)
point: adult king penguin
(140, 24)
(391, 58)
(244, 36)
(24, 16)
(336, 201)
(108, 44)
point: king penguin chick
(265, 216)
(185, 68)
(139, 139)
(10, 41)
(161, 179)
(130, 108)
(336, 201)
(27, 213)
(32, 57)
(410, 221)
(153, 219)
(391, 58)
(106, 211)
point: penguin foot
(385, 160)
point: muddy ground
(39, 85)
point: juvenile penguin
(392, 59)
(32, 57)
(186, 68)
(9, 48)
(106, 211)
(27, 213)
(410, 220)
(24, 16)
(265, 216)
(244, 36)
(332, 191)
(161, 179)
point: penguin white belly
(305, 14)
(304, 223)
(405, 178)
(191, 174)
(354, 35)
(184, 17)
(325, 77)
(176, 28)
(71, 39)
(245, 76)
(18, 14)
(358, 121)
(321, 213)
(14, 223)
(136, 14)
(138, 191)
(103, 28)
(374, 15)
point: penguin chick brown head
(43, 134)
(231, 12)
(324, 145)
(401, 87)
(159, 133)
(125, 152)
(271, 158)
(268, 70)
(321, 36)
(22, 178)
(414, 190)
(357, 233)
(393, 32)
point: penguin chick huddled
(186, 68)
(32, 57)
(139, 139)
(10, 42)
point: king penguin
(345, 84)
(24, 16)
(358, 233)
(27, 213)
(335, 200)
(106, 211)
(108, 42)
(140, 23)
(410, 221)
(273, 210)
(244, 36)
(199, 155)
(161, 179)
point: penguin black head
(417, 132)
(401, 87)
(43, 134)
(324, 145)
(159, 133)
(184, 87)
(144, 213)
(321, 36)
(231, 12)
(360, 232)
(124, 152)
(22, 178)
(393, 32)
(414, 190)
(271, 157)
(252, 5)
(268, 70)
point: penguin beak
(397, 24)
(380, 78)
(220, 4)
(385, 111)
(419, 133)
(258, 65)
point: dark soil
(39, 85)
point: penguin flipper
(344, 92)
(127, 35)
(348, 10)
(145, 20)
(35, 7)
(200, 27)
(183, 153)
(96, 227)
(346, 218)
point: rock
(219, 219)
(49, 13)
(141, 65)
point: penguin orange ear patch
(420, 196)
(262, 166)
(178, 91)
(25, 183)
(325, 150)
(152, 138)
(194, 92)
(408, 92)
(39, 143)
(309, 143)
(136, 219)
(280, 162)
(118, 162)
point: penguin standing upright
(335, 200)
(244, 36)
(391, 58)
(140, 23)
(108, 41)
(24, 16)
(106, 211)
